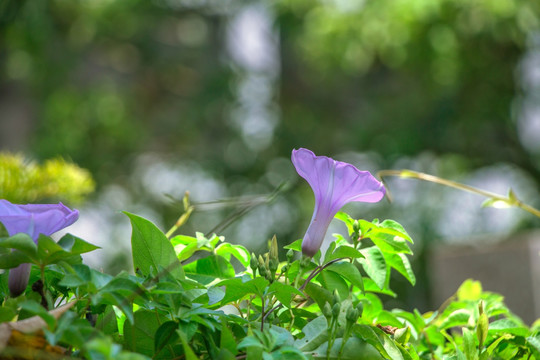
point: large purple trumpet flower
(334, 184)
(33, 220)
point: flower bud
(360, 308)
(253, 263)
(273, 265)
(305, 261)
(335, 310)
(327, 311)
(337, 299)
(351, 315)
(274, 248)
(356, 227)
(290, 255)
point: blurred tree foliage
(400, 77)
(108, 79)
(23, 181)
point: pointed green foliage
(151, 249)
(236, 289)
(296, 245)
(401, 263)
(348, 271)
(469, 346)
(343, 251)
(139, 336)
(315, 334)
(332, 280)
(374, 265)
(34, 308)
(284, 293)
(227, 340)
(166, 334)
(240, 253)
(209, 268)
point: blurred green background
(158, 97)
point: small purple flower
(334, 184)
(33, 220)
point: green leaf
(351, 350)
(236, 289)
(374, 265)
(334, 281)
(401, 263)
(534, 342)
(350, 272)
(319, 294)
(21, 242)
(469, 346)
(397, 228)
(151, 249)
(227, 340)
(368, 334)
(75, 245)
(165, 334)
(489, 350)
(296, 245)
(283, 292)
(315, 334)
(49, 252)
(188, 352)
(470, 290)
(459, 317)
(13, 259)
(209, 268)
(139, 337)
(36, 309)
(343, 251)
(508, 326)
(238, 251)
(215, 295)
(6, 314)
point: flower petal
(334, 184)
(18, 279)
(35, 219)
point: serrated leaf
(151, 249)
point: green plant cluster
(24, 181)
(204, 298)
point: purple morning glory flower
(334, 184)
(33, 220)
